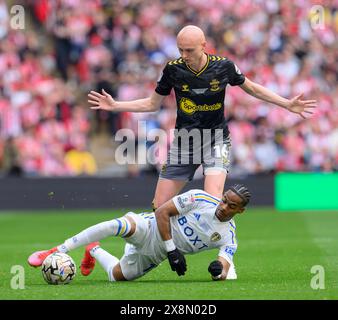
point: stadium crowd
(122, 46)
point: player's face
(191, 52)
(230, 205)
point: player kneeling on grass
(188, 223)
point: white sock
(62, 248)
(115, 227)
(106, 260)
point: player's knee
(116, 274)
(132, 225)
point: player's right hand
(102, 101)
(177, 262)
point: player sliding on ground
(188, 223)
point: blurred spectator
(79, 160)
(11, 159)
(4, 19)
(266, 155)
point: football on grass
(58, 268)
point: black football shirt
(200, 95)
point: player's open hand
(177, 262)
(102, 101)
(299, 106)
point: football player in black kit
(199, 80)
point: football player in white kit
(188, 223)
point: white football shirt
(196, 228)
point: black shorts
(183, 161)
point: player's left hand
(299, 106)
(177, 262)
(215, 268)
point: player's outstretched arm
(176, 258)
(219, 269)
(295, 105)
(104, 101)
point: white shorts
(141, 253)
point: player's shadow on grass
(172, 281)
(88, 282)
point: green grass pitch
(274, 259)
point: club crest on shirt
(215, 237)
(214, 85)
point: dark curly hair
(242, 192)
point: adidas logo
(197, 216)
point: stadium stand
(71, 47)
